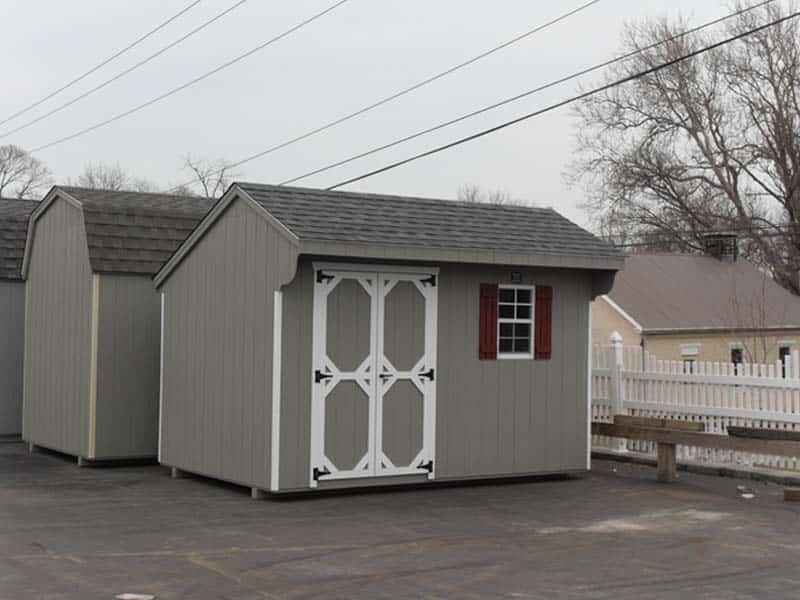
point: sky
(360, 52)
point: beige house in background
(699, 308)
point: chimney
(722, 246)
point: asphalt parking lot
(93, 533)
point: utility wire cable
(102, 64)
(194, 81)
(407, 90)
(125, 72)
(522, 95)
(571, 100)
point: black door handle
(319, 376)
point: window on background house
(689, 355)
(784, 355)
(737, 356)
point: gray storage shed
(92, 328)
(317, 339)
(14, 215)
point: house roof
(14, 215)
(349, 217)
(372, 226)
(132, 232)
(669, 292)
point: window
(515, 322)
(785, 355)
(737, 356)
(690, 354)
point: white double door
(373, 409)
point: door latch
(429, 374)
(320, 472)
(428, 466)
(320, 376)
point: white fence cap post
(616, 339)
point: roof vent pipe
(722, 246)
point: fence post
(616, 388)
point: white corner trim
(161, 382)
(92, 450)
(622, 313)
(589, 392)
(277, 328)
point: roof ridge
(397, 197)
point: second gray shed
(316, 340)
(14, 216)
(92, 330)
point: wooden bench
(668, 437)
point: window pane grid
(515, 321)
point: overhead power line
(566, 102)
(125, 72)
(405, 91)
(194, 81)
(522, 95)
(102, 64)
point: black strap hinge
(319, 376)
(428, 466)
(322, 277)
(429, 280)
(430, 373)
(320, 473)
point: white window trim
(787, 344)
(690, 351)
(531, 321)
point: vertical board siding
(12, 349)
(217, 377)
(127, 367)
(58, 333)
(501, 417)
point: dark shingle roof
(347, 217)
(683, 291)
(14, 215)
(134, 232)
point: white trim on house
(277, 331)
(787, 343)
(372, 268)
(161, 381)
(589, 392)
(622, 313)
(95, 326)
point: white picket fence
(627, 380)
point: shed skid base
(176, 473)
(82, 462)
(31, 447)
(257, 494)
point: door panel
(348, 319)
(403, 421)
(404, 325)
(374, 393)
(347, 426)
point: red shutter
(543, 327)
(488, 314)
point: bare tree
(474, 193)
(112, 177)
(212, 177)
(708, 143)
(22, 175)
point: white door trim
(161, 382)
(377, 463)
